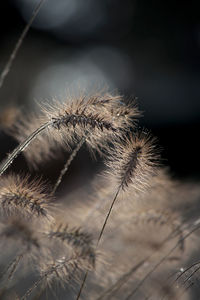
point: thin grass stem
(99, 238)
(22, 147)
(121, 281)
(160, 262)
(67, 164)
(9, 63)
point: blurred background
(147, 49)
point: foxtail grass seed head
(133, 161)
(20, 195)
(138, 232)
(99, 118)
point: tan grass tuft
(19, 195)
(97, 118)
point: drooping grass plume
(19, 195)
(134, 160)
(121, 115)
(100, 118)
(76, 119)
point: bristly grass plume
(141, 222)
(145, 224)
(91, 118)
(19, 195)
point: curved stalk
(22, 147)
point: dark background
(148, 49)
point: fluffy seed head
(24, 197)
(99, 118)
(134, 161)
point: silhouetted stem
(19, 42)
(182, 273)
